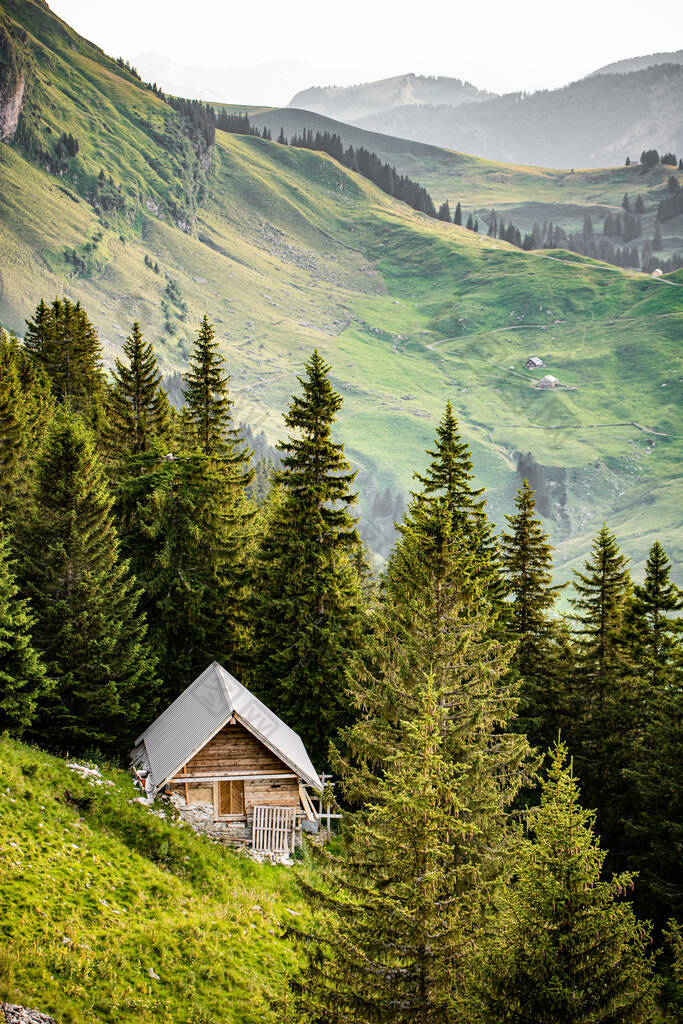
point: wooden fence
(273, 829)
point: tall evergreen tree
(139, 410)
(189, 542)
(445, 212)
(568, 949)
(527, 564)
(389, 939)
(185, 518)
(308, 617)
(457, 216)
(63, 341)
(208, 402)
(603, 682)
(22, 677)
(88, 628)
(435, 623)
(25, 408)
(450, 476)
(653, 816)
(655, 629)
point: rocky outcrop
(10, 108)
(11, 1014)
(12, 83)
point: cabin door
(230, 798)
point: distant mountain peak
(350, 103)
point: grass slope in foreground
(288, 251)
(96, 891)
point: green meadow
(107, 905)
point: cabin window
(230, 798)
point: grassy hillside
(96, 891)
(286, 251)
(523, 194)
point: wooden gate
(273, 829)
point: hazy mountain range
(633, 105)
(376, 99)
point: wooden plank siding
(234, 751)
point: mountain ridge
(604, 117)
(349, 103)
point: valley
(288, 251)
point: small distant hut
(220, 751)
(533, 363)
(547, 382)
(657, 272)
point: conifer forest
(510, 848)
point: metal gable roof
(200, 712)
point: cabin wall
(233, 751)
(271, 793)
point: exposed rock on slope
(11, 1014)
(11, 86)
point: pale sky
(499, 44)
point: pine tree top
(450, 471)
(658, 593)
(315, 470)
(207, 398)
(527, 554)
(604, 586)
(139, 407)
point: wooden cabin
(219, 749)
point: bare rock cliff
(10, 108)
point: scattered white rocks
(12, 1014)
(92, 775)
(153, 974)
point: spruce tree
(603, 684)
(568, 949)
(22, 677)
(63, 341)
(139, 410)
(189, 540)
(88, 627)
(527, 564)
(450, 476)
(388, 940)
(307, 590)
(445, 212)
(457, 216)
(208, 402)
(435, 622)
(655, 629)
(26, 406)
(653, 815)
(185, 516)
